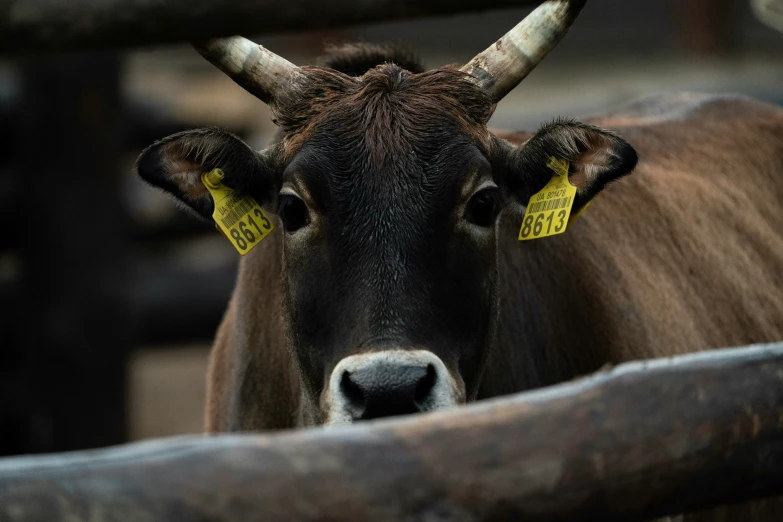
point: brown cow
(395, 282)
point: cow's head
(389, 188)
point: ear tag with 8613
(548, 210)
(240, 219)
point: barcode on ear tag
(240, 218)
(548, 210)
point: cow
(395, 283)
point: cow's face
(389, 206)
(389, 188)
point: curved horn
(256, 69)
(508, 61)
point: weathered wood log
(167, 302)
(175, 303)
(642, 440)
(27, 25)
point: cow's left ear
(177, 162)
(596, 157)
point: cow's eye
(293, 212)
(482, 207)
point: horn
(256, 69)
(508, 61)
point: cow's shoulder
(686, 108)
(732, 143)
(680, 113)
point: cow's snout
(388, 383)
(383, 389)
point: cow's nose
(382, 389)
(388, 383)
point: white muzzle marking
(418, 377)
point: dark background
(110, 294)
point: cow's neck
(551, 326)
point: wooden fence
(643, 440)
(30, 25)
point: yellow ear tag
(548, 211)
(240, 219)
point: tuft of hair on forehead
(386, 100)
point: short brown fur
(685, 255)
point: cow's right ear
(596, 158)
(176, 164)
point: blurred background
(110, 294)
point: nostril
(424, 387)
(352, 393)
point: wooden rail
(642, 440)
(34, 25)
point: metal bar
(642, 440)
(57, 25)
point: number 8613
(242, 233)
(535, 225)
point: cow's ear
(596, 157)
(176, 164)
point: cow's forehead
(391, 180)
(388, 111)
(339, 170)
